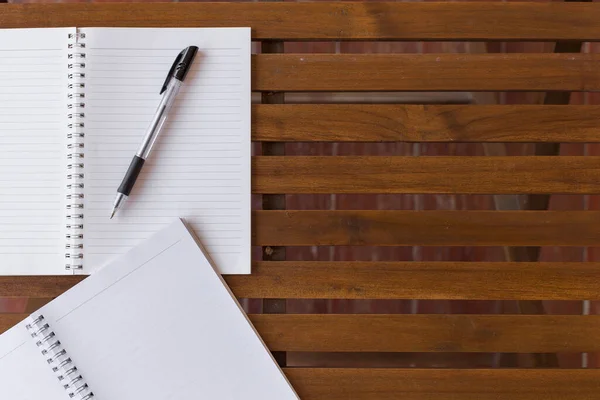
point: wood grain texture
(425, 123)
(444, 384)
(332, 21)
(445, 174)
(419, 280)
(381, 280)
(418, 333)
(7, 321)
(37, 286)
(426, 72)
(426, 228)
(429, 333)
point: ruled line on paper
(198, 168)
(32, 164)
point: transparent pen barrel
(159, 118)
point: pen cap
(180, 66)
(183, 66)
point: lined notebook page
(33, 115)
(199, 168)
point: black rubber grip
(132, 173)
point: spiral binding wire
(58, 359)
(75, 151)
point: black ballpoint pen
(170, 88)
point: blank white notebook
(158, 323)
(74, 106)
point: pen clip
(180, 66)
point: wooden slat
(331, 21)
(429, 333)
(444, 384)
(425, 72)
(418, 333)
(427, 228)
(446, 174)
(7, 321)
(429, 123)
(419, 280)
(34, 304)
(381, 280)
(37, 286)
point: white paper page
(33, 114)
(160, 324)
(24, 374)
(199, 168)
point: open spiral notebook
(74, 105)
(158, 323)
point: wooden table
(275, 174)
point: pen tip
(112, 214)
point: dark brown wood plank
(444, 384)
(332, 21)
(418, 333)
(429, 333)
(425, 72)
(381, 280)
(425, 123)
(419, 280)
(7, 321)
(446, 174)
(34, 304)
(37, 286)
(426, 228)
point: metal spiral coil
(71, 186)
(76, 35)
(75, 136)
(58, 359)
(71, 156)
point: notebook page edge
(237, 303)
